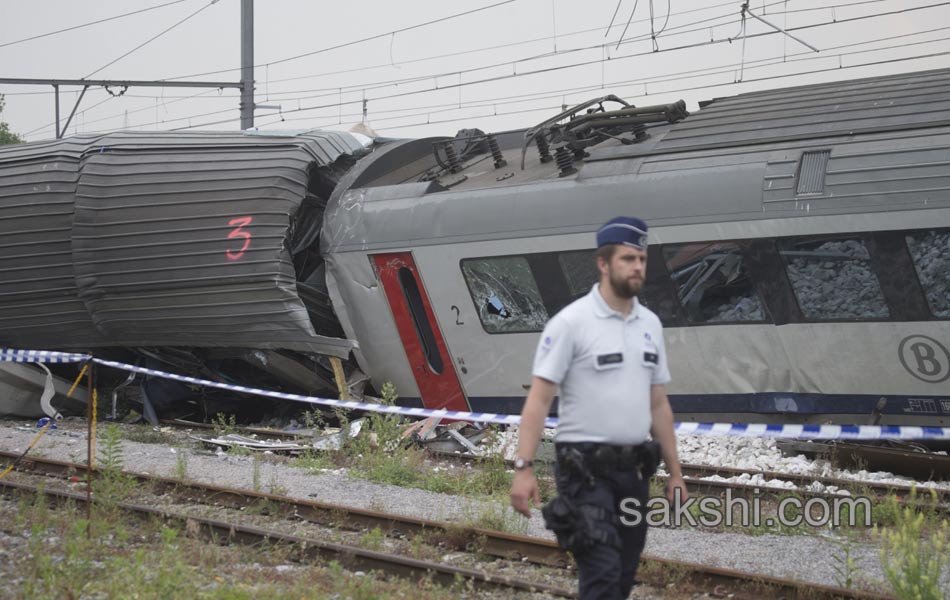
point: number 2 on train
(237, 232)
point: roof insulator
(544, 149)
(496, 152)
(565, 161)
(455, 165)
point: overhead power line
(355, 42)
(683, 75)
(334, 91)
(74, 27)
(561, 93)
(153, 38)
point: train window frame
(420, 320)
(783, 245)
(741, 247)
(923, 289)
(477, 306)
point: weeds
(112, 485)
(373, 539)
(497, 515)
(844, 564)
(181, 464)
(256, 474)
(224, 424)
(913, 561)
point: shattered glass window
(833, 279)
(712, 283)
(580, 270)
(931, 253)
(505, 294)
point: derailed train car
(190, 251)
(800, 251)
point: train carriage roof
(863, 145)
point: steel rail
(697, 471)
(495, 543)
(353, 557)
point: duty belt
(601, 459)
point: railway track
(697, 472)
(697, 478)
(493, 543)
(308, 548)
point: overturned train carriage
(799, 257)
(204, 242)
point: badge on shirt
(607, 361)
(651, 354)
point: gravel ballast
(812, 557)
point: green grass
(150, 561)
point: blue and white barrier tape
(40, 356)
(810, 432)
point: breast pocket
(608, 360)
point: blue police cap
(628, 231)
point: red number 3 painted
(239, 233)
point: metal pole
(247, 64)
(90, 415)
(58, 135)
(777, 28)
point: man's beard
(625, 288)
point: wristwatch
(521, 464)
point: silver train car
(799, 250)
(799, 259)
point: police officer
(606, 353)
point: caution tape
(810, 432)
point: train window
(833, 279)
(580, 270)
(931, 253)
(420, 320)
(505, 294)
(712, 283)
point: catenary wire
(335, 90)
(651, 80)
(692, 74)
(590, 62)
(587, 63)
(806, 56)
(74, 27)
(352, 43)
(153, 38)
(423, 78)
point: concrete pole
(247, 64)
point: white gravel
(806, 557)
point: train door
(431, 363)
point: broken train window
(505, 294)
(580, 270)
(931, 253)
(833, 279)
(712, 283)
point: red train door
(432, 366)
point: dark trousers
(607, 572)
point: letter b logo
(925, 358)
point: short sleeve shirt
(604, 364)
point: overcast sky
(504, 67)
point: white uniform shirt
(605, 365)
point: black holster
(576, 526)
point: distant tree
(7, 136)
